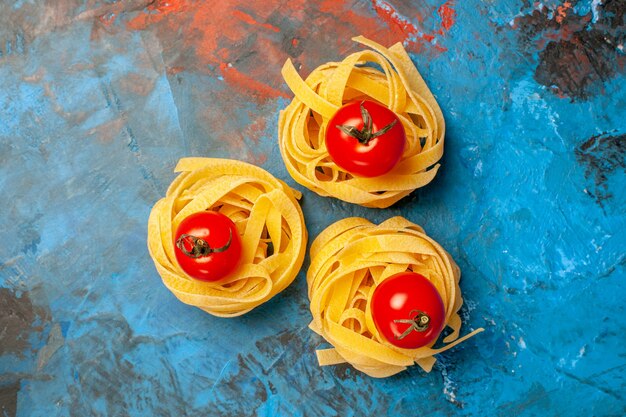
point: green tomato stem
(366, 134)
(419, 323)
(200, 246)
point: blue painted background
(99, 99)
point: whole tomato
(407, 310)
(365, 138)
(207, 246)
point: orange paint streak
(411, 33)
(447, 14)
(245, 82)
(202, 36)
(246, 18)
(170, 6)
(561, 11)
(395, 22)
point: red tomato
(365, 138)
(407, 310)
(207, 246)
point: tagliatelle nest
(268, 219)
(400, 87)
(348, 260)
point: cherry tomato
(365, 138)
(207, 246)
(407, 310)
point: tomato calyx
(366, 134)
(199, 246)
(365, 138)
(418, 322)
(407, 310)
(207, 246)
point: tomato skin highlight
(220, 233)
(399, 298)
(374, 158)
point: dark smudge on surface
(600, 156)
(576, 67)
(18, 319)
(8, 399)
(577, 54)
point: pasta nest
(399, 86)
(268, 219)
(348, 260)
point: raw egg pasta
(348, 260)
(268, 219)
(399, 86)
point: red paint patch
(561, 11)
(244, 82)
(394, 19)
(246, 18)
(447, 14)
(170, 6)
(205, 36)
(414, 38)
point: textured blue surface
(98, 100)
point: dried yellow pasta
(348, 260)
(267, 216)
(399, 86)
